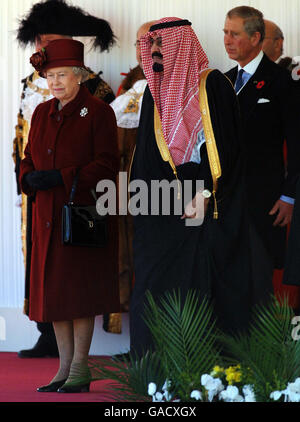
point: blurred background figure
(273, 42)
(127, 108)
(273, 46)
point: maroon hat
(59, 53)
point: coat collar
(72, 106)
(252, 66)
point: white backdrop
(125, 17)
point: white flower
(152, 389)
(231, 394)
(158, 397)
(277, 394)
(205, 379)
(291, 393)
(297, 383)
(212, 385)
(196, 394)
(293, 397)
(249, 393)
(294, 386)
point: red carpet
(19, 379)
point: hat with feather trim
(57, 17)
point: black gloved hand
(44, 179)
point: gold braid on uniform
(18, 141)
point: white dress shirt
(250, 68)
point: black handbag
(82, 225)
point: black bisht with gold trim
(212, 258)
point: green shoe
(79, 380)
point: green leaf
(183, 332)
(268, 350)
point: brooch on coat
(83, 112)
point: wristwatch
(206, 193)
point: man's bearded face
(156, 52)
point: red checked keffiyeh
(176, 90)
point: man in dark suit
(268, 99)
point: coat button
(48, 224)
(58, 118)
(49, 151)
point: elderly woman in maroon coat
(69, 286)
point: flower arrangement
(212, 388)
(194, 361)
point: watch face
(206, 193)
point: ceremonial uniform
(127, 108)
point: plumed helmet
(57, 17)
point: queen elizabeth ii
(73, 133)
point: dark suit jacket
(267, 124)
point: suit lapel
(255, 88)
(232, 74)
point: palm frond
(268, 349)
(129, 379)
(182, 331)
(185, 347)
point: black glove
(44, 179)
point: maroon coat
(68, 282)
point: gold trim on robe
(211, 146)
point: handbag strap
(74, 186)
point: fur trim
(56, 17)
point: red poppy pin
(260, 84)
